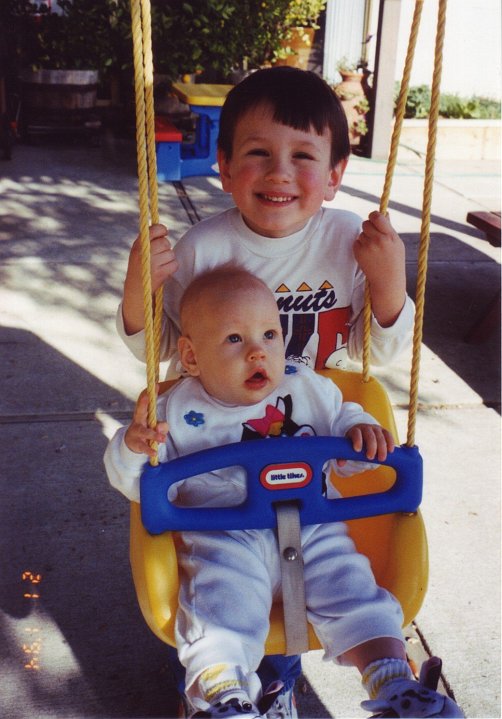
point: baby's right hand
(377, 441)
(139, 435)
(162, 258)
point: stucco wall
(456, 139)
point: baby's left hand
(139, 435)
(377, 440)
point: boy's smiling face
(278, 176)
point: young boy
(283, 148)
(231, 346)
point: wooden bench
(487, 222)
(168, 141)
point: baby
(240, 387)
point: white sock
(383, 671)
(221, 682)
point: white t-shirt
(318, 285)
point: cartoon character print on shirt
(277, 422)
(309, 315)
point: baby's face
(238, 347)
(278, 176)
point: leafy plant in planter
(214, 36)
(83, 36)
(217, 37)
(61, 57)
(346, 67)
(353, 98)
(297, 30)
(359, 125)
(304, 13)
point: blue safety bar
(277, 470)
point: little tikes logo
(286, 476)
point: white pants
(228, 581)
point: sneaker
(230, 708)
(283, 706)
(408, 698)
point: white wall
(472, 46)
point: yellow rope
(391, 164)
(139, 84)
(366, 332)
(425, 227)
(146, 23)
(401, 106)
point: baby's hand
(139, 435)
(377, 440)
(162, 258)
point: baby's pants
(228, 581)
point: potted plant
(214, 39)
(351, 92)
(297, 30)
(62, 56)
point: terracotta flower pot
(350, 91)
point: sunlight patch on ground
(44, 659)
(92, 345)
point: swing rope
(426, 219)
(148, 193)
(389, 174)
(148, 197)
(426, 204)
(152, 162)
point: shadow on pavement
(61, 521)
(458, 292)
(307, 701)
(461, 284)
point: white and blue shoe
(283, 706)
(273, 704)
(417, 699)
(408, 698)
(234, 707)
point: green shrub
(450, 105)
(469, 108)
(188, 36)
(418, 102)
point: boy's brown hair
(298, 98)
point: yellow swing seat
(395, 544)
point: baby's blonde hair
(219, 283)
